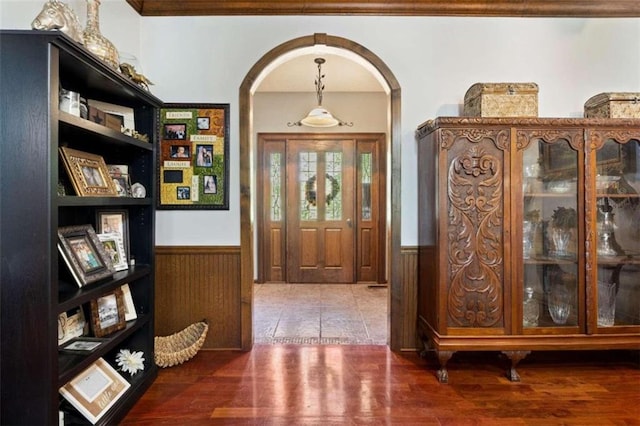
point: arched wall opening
(248, 173)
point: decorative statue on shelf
(130, 71)
(56, 15)
(98, 44)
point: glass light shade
(319, 117)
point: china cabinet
(36, 285)
(517, 212)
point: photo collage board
(194, 157)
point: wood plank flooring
(370, 385)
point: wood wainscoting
(193, 283)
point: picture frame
(115, 221)
(82, 345)
(71, 324)
(184, 163)
(94, 391)
(174, 131)
(114, 248)
(107, 313)
(88, 173)
(119, 173)
(129, 308)
(125, 114)
(84, 254)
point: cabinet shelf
(71, 296)
(75, 201)
(70, 364)
(99, 133)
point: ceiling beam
(477, 8)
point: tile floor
(348, 314)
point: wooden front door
(320, 211)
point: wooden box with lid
(501, 100)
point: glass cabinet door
(617, 233)
(550, 235)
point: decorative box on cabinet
(36, 286)
(613, 105)
(501, 100)
(508, 205)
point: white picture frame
(94, 391)
(125, 112)
(114, 248)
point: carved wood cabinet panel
(529, 230)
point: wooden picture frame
(115, 221)
(84, 254)
(88, 173)
(107, 313)
(94, 391)
(185, 161)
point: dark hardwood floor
(370, 385)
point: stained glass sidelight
(308, 167)
(365, 183)
(333, 186)
(275, 174)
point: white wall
(204, 59)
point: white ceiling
(298, 74)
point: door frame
(272, 260)
(397, 311)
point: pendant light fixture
(319, 116)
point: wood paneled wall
(409, 274)
(193, 283)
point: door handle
(349, 223)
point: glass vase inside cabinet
(617, 241)
(550, 231)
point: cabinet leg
(515, 357)
(443, 357)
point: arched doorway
(247, 174)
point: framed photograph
(94, 391)
(175, 131)
(84, 254)
(129, 308)
(82, 345)
(114, 248)
(193, 171)
(181, 151)
(115, 222)
(71, 324)
(88, 173)
(203, 123)
(107, 313)
(125, 114)
(119, 173)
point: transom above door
(321, 208)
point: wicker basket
(181, 346)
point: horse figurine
(56, 15)
(130, 71)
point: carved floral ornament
(475, 239)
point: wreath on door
(310, 190)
